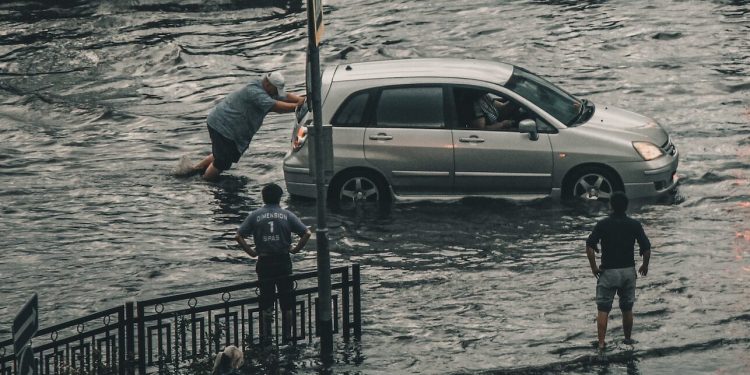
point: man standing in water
(235, 120)
(618, 234)
(271, 227)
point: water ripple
(99, 99)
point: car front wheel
(592, 184)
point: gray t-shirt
(271, 227)
(239, 116)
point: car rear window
(352, 111)
(410, 107)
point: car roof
(425, 68)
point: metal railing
(167, 333)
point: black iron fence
(168, 333)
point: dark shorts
(620, 281)
(224, 150)
(271, 276)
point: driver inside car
(491, 112)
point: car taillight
(299, 137)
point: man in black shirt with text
(617, 234)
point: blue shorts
(620, 281)
(224, 150)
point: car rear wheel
(359, 189)
(591, 184)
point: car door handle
(471, 139)
(381, 137)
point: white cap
(277, 80)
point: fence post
(356, 293)
(141, 341)
(345, 301)
(130, 341)
(121, 339)
(226, 320)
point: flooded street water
(99, 99)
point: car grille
(669, 147)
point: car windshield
(552, 99)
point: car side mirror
(529, 126)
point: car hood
(629, 124)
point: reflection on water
(99, 99)
(232, 201)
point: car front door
(409, 141)
(501, 161)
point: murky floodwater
(98, 99)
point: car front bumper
(650, 179)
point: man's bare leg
(205, 163)
(627, 324)
(212, 173)
(601, 327)
(185, 168)
(206, 166)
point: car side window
(486, 110)
(410, 107)
(352, 112)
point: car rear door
(409, 141)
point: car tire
(591, 184)
(359, 189)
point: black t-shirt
(618, 234)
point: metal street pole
(325, 324)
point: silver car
(410, 129)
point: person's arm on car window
(284, 107)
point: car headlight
(648, 150)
